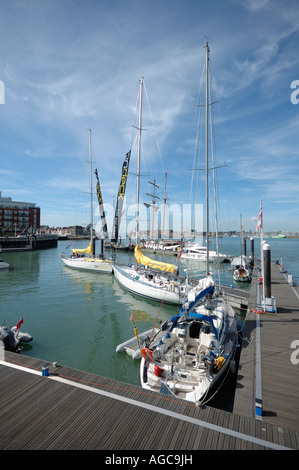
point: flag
(120, 197)
(69, 245)
(101, 206)
(180, 255)
(19, 323)
(259, 224)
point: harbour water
(77, 319)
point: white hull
(3, 265)
(160, 246)
(203, 257)
(129, 279)
(199, 253)
(89, 264)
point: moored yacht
(194, 251)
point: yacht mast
(91, 200)
(207, 155)
(138, 157)
(164, 204)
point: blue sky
(68, 66)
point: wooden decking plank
(69, 429)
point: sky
(67, 66)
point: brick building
(18, 215)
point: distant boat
(194, 251)
(164, 245)
(3, 265)
(84, 259)
(242, 273)
(278, 235)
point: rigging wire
(152, 121)
(198, 133)
(147, 163)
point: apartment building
(18, 215)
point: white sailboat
(155, 280)
(84, 259)
(149, 278)
(194, 349)
(242, 273)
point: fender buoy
(147, 354)
(260, 281)
(258, 311)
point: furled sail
(142, 259)
(120, 197)
(87, 250)
(101, 206)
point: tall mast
(241, 228)
(207, 154)
(154, 203)
(91, 200)
(138, 157)
(164, 203)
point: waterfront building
(18, 215)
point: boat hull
(200, 257)
(199, 253)
(133, 285)
(3, 265)
(88, 264)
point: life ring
(258, 311)
(147, 354)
